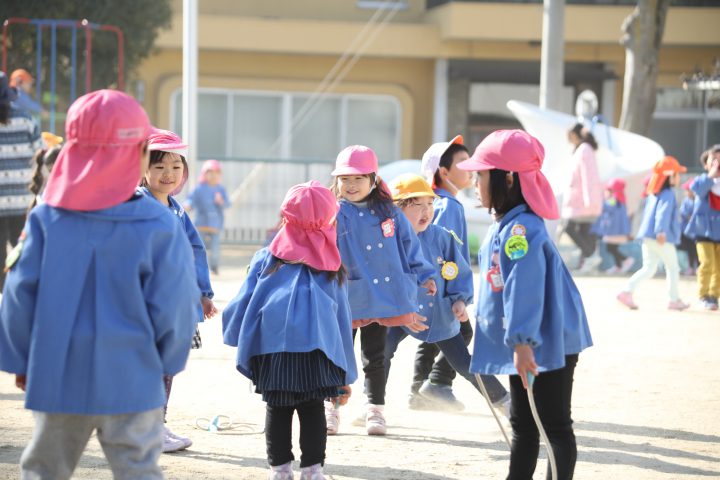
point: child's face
(608, 194)
(419, 212)
(675, 179)
(212, 177)
(166, 175)
(460, 178)
(482, 188)
(354, 188)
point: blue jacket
(291, 310)
(98, 307)
(439, 245)
(383, 272)
(539, 304)
(613, 219)
(686, 210)
(207, 212)
(661, 216)
(704, 221)
(450, 214)
(202, 270)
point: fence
(257, 188)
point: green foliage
(140, 21)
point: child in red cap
(530, 316)
(89, 322)
(291, 324)
(613, 225)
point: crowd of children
(388, 260)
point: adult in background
(582, 201)
(19, 138)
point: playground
(645, 406)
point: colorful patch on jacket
(449, 270)
(14, 255)
(388, 227)
(516, 247)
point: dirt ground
(646, 406)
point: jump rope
(536, 417)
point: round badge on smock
(516, 247)
(449, 270)
(518, 230)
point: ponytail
(42, 157)
(584, 135)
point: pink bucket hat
(208, 166)
(617, 187)
(308, 234)
(355, 160)
(517, 151)
(99, 165)
(161, 140)
(431, 158)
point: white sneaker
(332, 418)
(281, 472)
(313, 472)
(185, 440)
(614, 270)
(361, 419)
(503, 405)
(375, 420)
(172, 444)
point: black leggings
(553, 396)
(439, 371)
(372, 350)
(614, 250)
(313, 433)
(580, 234)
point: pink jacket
(584, 196)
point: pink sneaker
(375, 423)
(332, 418)
(626, 299)
(678, 305)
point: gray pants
(132, 444)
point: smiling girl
(165, 177)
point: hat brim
(474, 165)
(405, 196)
(179, 148)
(347, 170)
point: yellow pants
(708, 273)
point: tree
(643, 30)
(140, 21)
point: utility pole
(190, 85)
(552, 66)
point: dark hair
(156, 156)
(705, 156)
(379, 197)
(502, 198)
(338, 275)
(4, 113)
(42, 157)
(584, 135)
(666, 184)
(446, 159)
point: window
(384, 4)
(283, 125)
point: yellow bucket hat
(410, 185)
(51, 139)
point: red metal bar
(121, 53)
(6, 26)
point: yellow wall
(409, 81)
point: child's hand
(208, 307)
(525, 362)
(714, 170)
(343, 398)
(430, 286)
(660, 237)
(20, 381)
(219, 199)
(418, 324)
(458, 309)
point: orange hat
(21, 75)
(664, 168)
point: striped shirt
(19, 139)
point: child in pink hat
(89, 320)
(385, 266)
(165, 177)
(292, 326)
(209, 201)
(613, 226)
(530, 316)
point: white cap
(431, 158)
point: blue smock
(98, 308)
(450, 214)
(539, 304)
(704, 222)
(613, 219)
(686, 210)
(440, 246)
(207, 212)
(661, 216)
(202, 270)
(383, 271)
(293, 309)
